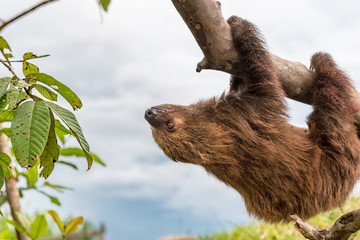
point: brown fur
(243, 138)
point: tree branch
(6, 23)
(212, 33)
(342, 229)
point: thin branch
(21, 61)
(7, 66)
(342, 229)
(6, 23)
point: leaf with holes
(70, 120)
(12, 96)
(51, 152)
(29, 68)
(45, 92)
(29, 132)
(66, 92)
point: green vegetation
(37, 129)
(285, 231)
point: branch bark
(342, 229)
(12, 192)
(22, 14)
(212, 33)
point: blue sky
(141, 54)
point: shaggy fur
(243, 138)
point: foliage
(39, 226)
(285, 231)
(33, 123)
(38, 132)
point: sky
(141, 54)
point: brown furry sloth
(243, 137)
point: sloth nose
(151, 115)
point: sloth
(243, 137)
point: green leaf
(61, 131)
(73, 225)
(30, 55)
(45, 92)
(3, 102)
(77, 152)
(69, 164)
(12, 96)
(66, 92)
(16, 225)
(3, 199)
(7, 115)
(4, 84)
(52, 198)
(8, 55)
(5, 161)
(38, 227)
(32, 175)
(105, 4)
(56, 187)
(56, 219)
(5, 158)
(61, 127)
(6, 131)
(22, 83)
(4, 44)
(29, 68)
(51, 152)
(70, 120)
(24, 220)
(29, 132)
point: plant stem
(12, 192)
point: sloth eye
(170, 125)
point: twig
(7, 66)
(6, 23)
(342, 229)
(20, 61)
